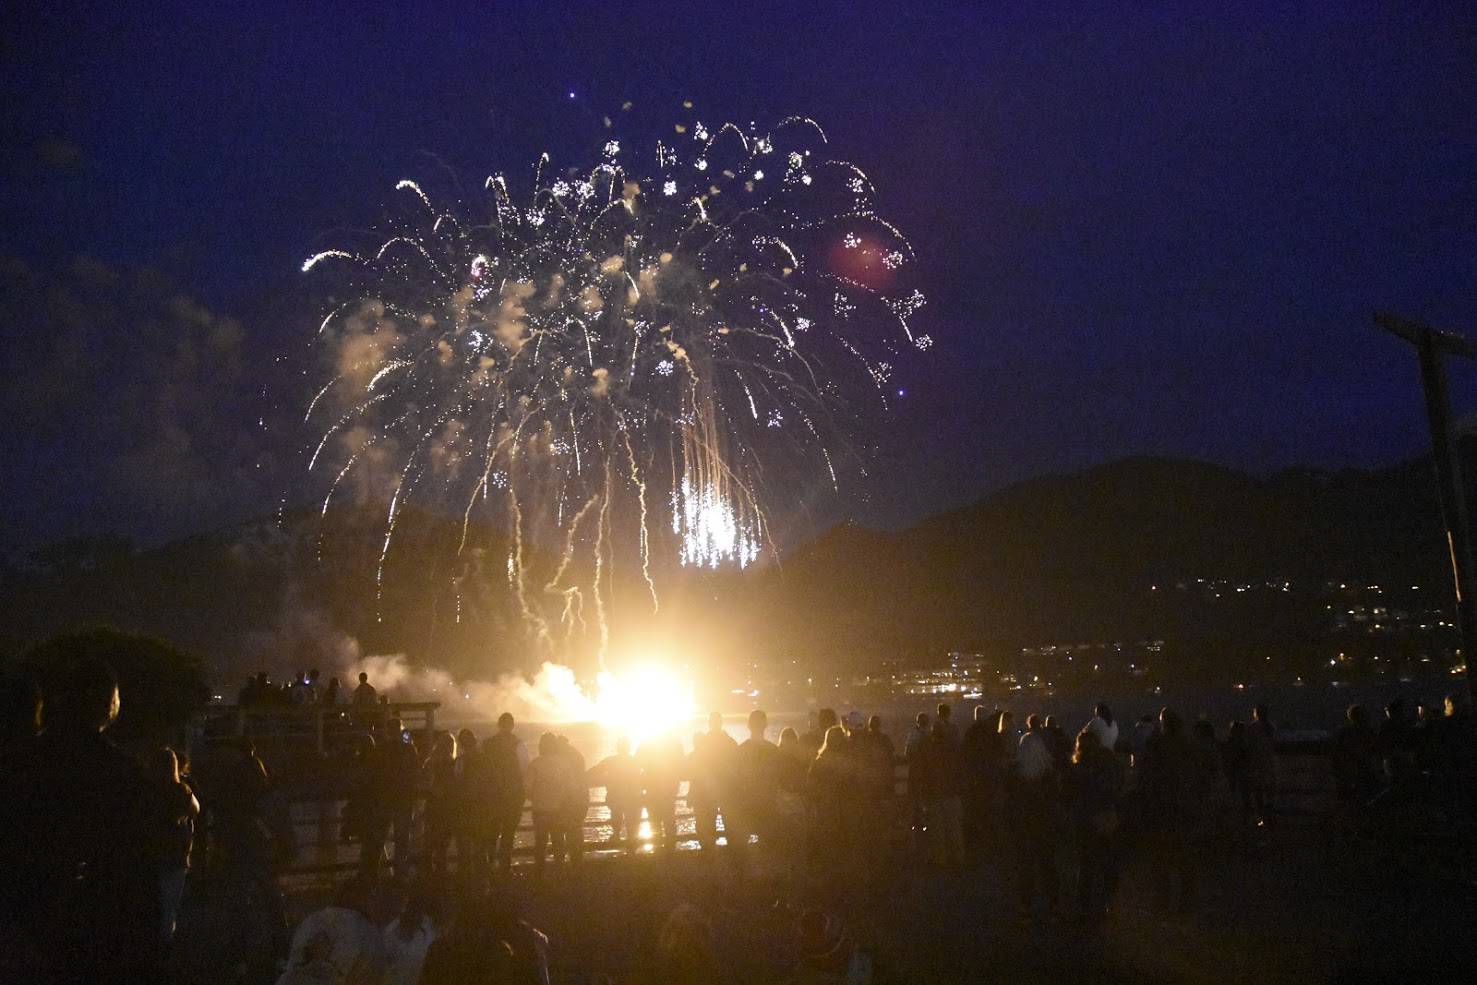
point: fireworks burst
(617, 353)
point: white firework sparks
(567, 360)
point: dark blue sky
(1145, 230)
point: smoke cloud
(305, 637)
(552, 695)
(132, 405)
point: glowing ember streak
(318, 258)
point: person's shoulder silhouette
(79, 832)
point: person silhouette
(505, 767)
(365, 695)
(661, 775)
(710, 777)
(80, 899)
(620, 774)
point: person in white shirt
(1103, 726)
(1033, 758)
(1033, 812)
(917, 736)
(406, 940)
(338, 943)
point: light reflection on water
(600, 834)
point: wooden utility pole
(1432, 347)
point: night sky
(1142, 232)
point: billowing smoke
(121, 378)
(302, 638)
(552, 695)
(305, 637)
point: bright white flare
(640, 703)
(711, 529)
(644, 702)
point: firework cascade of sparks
(620, 360)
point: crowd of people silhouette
(100, 847)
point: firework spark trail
(645, 534)
(516, 572)
(568, 555)
(574, 344)
(602, 546)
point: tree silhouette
(160, 685)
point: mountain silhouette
(1120, 551)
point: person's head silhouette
(20, 714)
(363, 677)
(164, 765)
(83, 693)
(1087, 743)
(789, 740)
(758, 722)
(466, 742)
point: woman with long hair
(179, 811)
(408, 937)
(831, 782)
(1095, 783)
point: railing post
(327, 831)
(1432, 348)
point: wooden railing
(1305, 787)
(323, 853)
(295, 726)
(311, 783)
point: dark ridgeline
(1073, 557)
(1061, 558)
